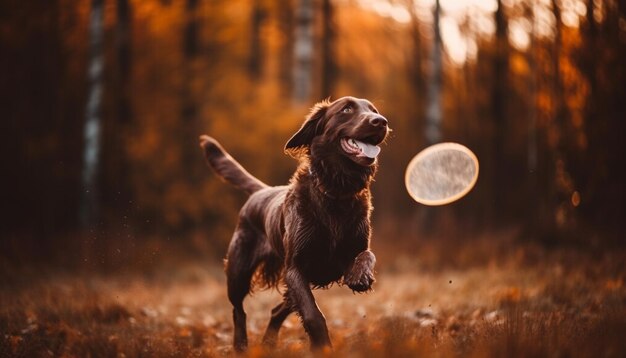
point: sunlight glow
(457, 17)
(452, 7)
(463, 22)
(519, 33)
(544, 18)
(453, 41)
(485, 25)
(396, 12)
(572, 10)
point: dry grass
(527, 302)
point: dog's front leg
(360, 275)
(301, 298)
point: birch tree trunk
(433, 109)
(329, 64)
(89, 209)
(303, 51)
(427, 215)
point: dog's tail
(227, 167)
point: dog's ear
(311, 127)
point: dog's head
(350, 126)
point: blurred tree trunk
(189, 107)
(116, 187)
(123, 191)
(559, 106)
(255, 61)
(559, 202)
(124, 60)
(588, 59)
(590, 34)
(415, 69)
(329, 64)
(190, 36)
(303, 51)
(607, 128)
(286, 56)
(531, 147)
(619, 135)
(499, 95)
(90, 205)
(433, 110)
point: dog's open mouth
(359, 149)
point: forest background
(103, 102)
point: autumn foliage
(546, 127)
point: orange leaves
(519, 65)
(614, 284)
(550, 305)
(509, 295)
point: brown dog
(314, 231)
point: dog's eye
(347, 109)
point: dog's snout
(378, 121)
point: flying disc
(441, 174)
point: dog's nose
(378, 121)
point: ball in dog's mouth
(359, 149)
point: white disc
(441, 174)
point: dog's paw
(360, 276)
(359, 279)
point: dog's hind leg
(241, 263)
(279, 314)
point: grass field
(478, 301)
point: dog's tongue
(368, 150)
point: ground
(523, 301)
